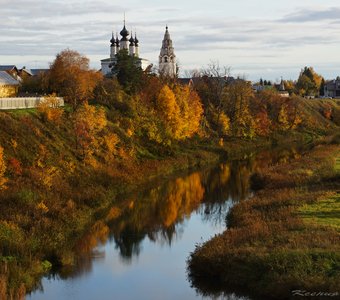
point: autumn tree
(71, 77)
(110, 93)
(238, 95)
(191, 110)
(170, 112)
(210, 84)
(309, 82)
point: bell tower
(167, 57)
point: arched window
(166, 59)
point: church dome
(132, 41)
(136, 40)
(124, 33)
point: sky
(254, 38)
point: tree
(170, 112)
(322, 87)
(309, 82)
(71, 77)
(128, 72)
(191, 111)
(109, 93)
(211, 84)
(238, 95)
(35, 84)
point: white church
(167, 57)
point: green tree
(128, 72)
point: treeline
(308, 84)
(162, 110)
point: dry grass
(268, 248)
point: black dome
(124, 32)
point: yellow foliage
(184, 195)
(42, 206)
(50, 110)
(283, 118)
(111, 141)
(3, 180)
(88, 123)
(223, 123)
(14, 144)
(181, 111)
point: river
(139, 249)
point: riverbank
(59, 179)
(275, 242)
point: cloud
(198, 37)
(307, 15)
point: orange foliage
(14, 166)
(262, 123)
(327, 112)
(71, 77)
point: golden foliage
(89, 121)
(181, 111)
(50, 110)
(3, 180)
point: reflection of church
(167, 57)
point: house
(332, 88)
(24, 72)
(8, 85)
(11, 70)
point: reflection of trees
(158, 213)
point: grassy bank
(285, 238)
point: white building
(167, 57)
(131, 45)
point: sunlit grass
(324, 212)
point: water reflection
(160, 214)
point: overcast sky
(256, 38)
